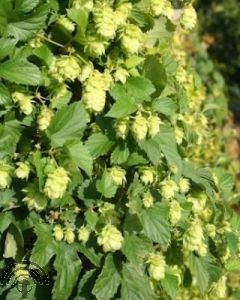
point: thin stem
(50, 41)
(81, 58)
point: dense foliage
(111, 177)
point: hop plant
(168, 188)
(24, 101)
(66, 24)
(140, 127)
(5, 175)
(122, 128)
(175, 212)
(110, 238)
(153, 125)
(189, 17)
(220, 288)
(86, 72)
(148, 200)
(23, 170)
(44, 118)
(122, 13)
(36, 42)
(179, 135)
(157, 266)
(184, 185)
(132, 39)
(194, 239)
(65, 68)
(83, 234)
(83, 4)
(161, 7)
(147, 175)
(121, 75)
(58, 233)
(95, 46)
(94, 95)
(69, 235)
(198, 203)
(104, 20)
(211, 230)
(109, 131)
(56, 183)
(94, 99)
(118, 175)
(38, 204)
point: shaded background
(219, 23)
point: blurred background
(220, 28)
(217, 54)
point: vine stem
(50, 41)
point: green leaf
(200, 176)
(136, 158)
(86, 285)
(9, 136)
(81, 156)
(68, 267)
(21, 72)
(167, 143)
(7, 198)
(91, 218)
(25, 6)
(108, 281)
(213, 268)
(6, 218)
(5, 96)
(90, 254)
(45, 54)
(7, 47)
(136, 255)
(170, 64)
(67, 124)
(80, 17)
(170, 285)
(199, 270)
(225, 180)
(135, 285)
(61, 101)
(138, 88)
(98, 144)
(120, 154)
(122, 108)
(45, 247)
(155, 71)
(165, 106)
(106, 185)
(160, 32)
(233, 265)
(20, 21)
(232, 241)
(152, 149)
(133, 61)
(155, 225)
